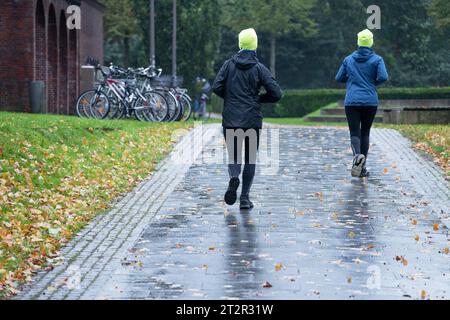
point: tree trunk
(273, 50)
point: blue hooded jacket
(362, 71)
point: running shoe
(358, 164)
(246, 204)
(231, 194)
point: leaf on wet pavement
(278, 267)
(386, 170)
(414, 222)
(417, 238)
(212, 248)
(435, 227)
(445, 251)
(402, 260)
(351, 234)
(349, 280)
(423, 295)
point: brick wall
(16, 53)
(36, 45)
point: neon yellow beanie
(365, 38)
(248, 39)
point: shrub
(298, 103)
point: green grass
(57, 173)
(432, 139)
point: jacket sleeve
(382, 75)
(273, 91)
(220, 81)
(342, 75)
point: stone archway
(52, 62)
(63, 66)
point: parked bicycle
(118, 95)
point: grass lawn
(433, 139)
(57, 173)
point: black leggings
(360, 120)
(242, 137)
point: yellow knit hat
(248, 39)
(365, 38)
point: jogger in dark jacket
(362, 71)
(239, 82)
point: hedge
(298, 103)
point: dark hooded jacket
(362, 71)
(239, 82)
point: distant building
(36, 45)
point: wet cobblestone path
(315, 233)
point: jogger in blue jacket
(362, 72)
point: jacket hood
(363, 54)
(245, 59)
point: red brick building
(36, 45)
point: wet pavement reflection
(315, 233)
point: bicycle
(126, 97)
(201, 110)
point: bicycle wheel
(115, 107)
(93, 104)
(153, 108)
(173, 105)
(186, 108)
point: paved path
(314, 233)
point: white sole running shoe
(358, 165)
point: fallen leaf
(417, 238)
(423, 295)
(91, 130)
(414, 222)
(266, 285)
(278, 267)
(435, 227)
(402, 260)
(1, 151)
(386, 170)
(351, 234)
(445, 250)
(212, 248)
(349, 280)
